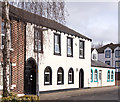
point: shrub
(26, 98)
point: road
(102, 93)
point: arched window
(95, 76)
(60, 76)
(108, 76)
(48, 76)
(112, 76)
(70, 76)
(91, 75)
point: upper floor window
(37, 40)
(2, 35)
(81, 49)
(107, 62)
(70, 76)
(48, 76)
(107, 54)
(60, 76)
(69, 46)
(94, 56)
(95, 76)
(57, 44)
(117, 64)
(108, 75)
(117, 53)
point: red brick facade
(17, 55)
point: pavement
(99, 93)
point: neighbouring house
(46, 55)
(110, 54)
(101, 73)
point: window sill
(38, 51)
(82, 57)
(58, 54)
(108, 80)
(47, 84)
(107, 57)
(112, 80)
(96, 81)
(70, 83)
(69, 55)
(60, 83)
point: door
(81, 78)
(30, 77)
(100, 77)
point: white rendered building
(101, 73)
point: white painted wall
(49, 59)
(104, 77)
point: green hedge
(14, 98)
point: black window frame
(117, 61)
(40, 38)
(62, 82)
(108, 62)
(68, 55)
(59, 36)
(117, 53)
(83, 57)
(50, 75)
(108, 54)
(72, 76)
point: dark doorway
(81, 78)
(30, 77)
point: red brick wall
(17, 56)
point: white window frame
(112, 74)
(81, 49)
(95, 75)
(60, 73)
(71, 75)
(69, 46)
(57, 43)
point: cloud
(99, 21)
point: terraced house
(46, 55)
(110, 54)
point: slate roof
(26, 16)
(100, 64)
(111, 45)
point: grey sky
(97, 20)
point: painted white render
(104, 77)
(49, 59)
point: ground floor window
(95, 76)
(108, 75)
(91, 75)
(70, 76)
(48, 76)
(60, 76)
(112, 75)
